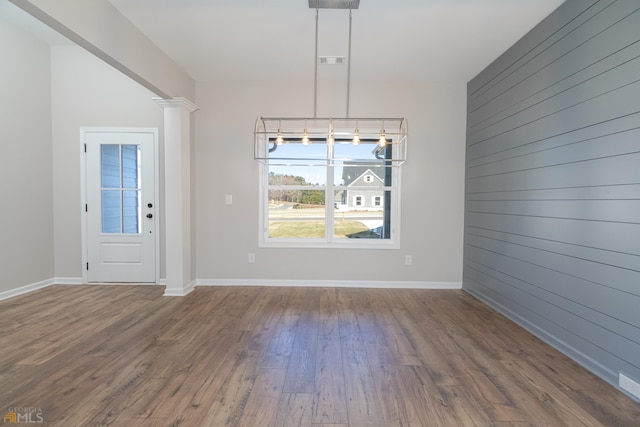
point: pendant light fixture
(383, 133)
(305, 135)
(330, 138)
(279, 138)
(356, 135)
(382, 141)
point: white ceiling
(274, 39)
(391, 39)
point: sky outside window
(314, 171)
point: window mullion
(329, 196)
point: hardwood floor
(127, 356)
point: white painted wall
(432, 181)
(26, 211)
(100, 28)
(87, 93)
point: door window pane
(111, 211)
(110, 164)
(120, 180)
(130, 169)
(130, 211)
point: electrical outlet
(408, 260)
(629, 385)
(252, 258)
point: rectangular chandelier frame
(382, 134)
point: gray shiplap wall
(552, 211)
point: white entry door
(120, 205)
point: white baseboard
(68, 281)
(247, 282)
(179, 292)
(380, 284)
(26, 289)
(80, 281)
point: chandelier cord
(315, 75)
(349, 64)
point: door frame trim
(83, 193)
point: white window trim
(373, 201)
(294, 243)
(355, 201)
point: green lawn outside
(313, 229)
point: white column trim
(177, 102)
(177, 191)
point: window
(120, 188)
(324, 202)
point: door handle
(149, 215)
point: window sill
(348, 244)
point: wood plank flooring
(317, 357)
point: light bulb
(305, 137)
(356, 137)
(330, 139)
(279, 138)
(382, 141)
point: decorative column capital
(177, 102)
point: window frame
(392, 208)
(120, 189)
